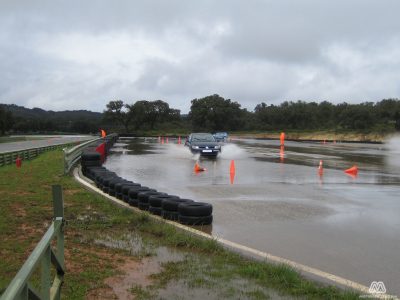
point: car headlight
(217, 147)
(195, 147)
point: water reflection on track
(279, 204)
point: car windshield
(221, 134)
(203, 138)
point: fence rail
(8, 158)
(73, 155)
(44, 256)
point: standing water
(280, 203)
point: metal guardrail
(73, 155)
(8, 158)
(43, 255)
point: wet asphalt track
(42, 142)
(279, 204)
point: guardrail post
(58, 201)
(58, 204)
(45, 274)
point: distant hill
(32, 113)
(37, 120)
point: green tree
(119, 112)
(150, 113)
(216, 113)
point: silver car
(203, 143)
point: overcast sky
(82, 54)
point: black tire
(155, 210)
(144, 196)
(97, 169)
(114, 182)
(170, 215)
(106, 189)
(133, 202)
(101, 175)
(90, 155)
(157, 200)
(92, 171)
(100, 181)
(195, 209)
(172, 204)
(143, 206)
(118, 195)
(107, 181)
(189, 220)
(118, 186)
(91, 163)
(125, 188)
(134, 191)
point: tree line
(211, 113)
(215, 113)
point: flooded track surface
(43, 141)
(278, 203)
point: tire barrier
(195, 213)
(95, 154)
(156, 201)
(133, 195)
(118, 188)
(170, 207)
(125, 190)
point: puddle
(133, 273)
(236, 289)
(130, 242)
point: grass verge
(205, 268)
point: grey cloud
(81, 54)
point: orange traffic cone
(197, 168)
(167, 140)
(162, 140)
(232, 171)
(179, 140)
(352, 171)
(282, 138)
(232, 168)
(232, 177)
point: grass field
(114, 252)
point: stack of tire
(156, 203)
(170, 207)
(195, 213)
(90, 159)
